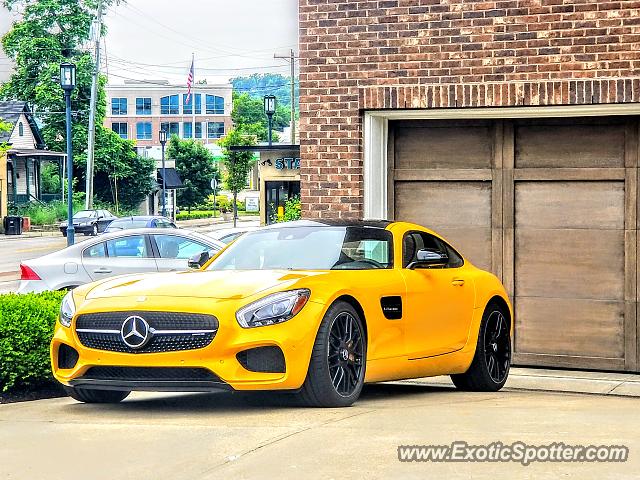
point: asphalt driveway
(231, 436)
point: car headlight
(272, 309)
(67, 309)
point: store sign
(284, 163)
(252, 204)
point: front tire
(86, 395)
(338, 360)
(490, 366)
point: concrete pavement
(211, 436)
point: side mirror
(198, 260)
(426, 258)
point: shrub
(292, 210)
(194, 215)
(26, 329)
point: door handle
(457, 282)
(102, 270)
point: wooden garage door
(550, 206)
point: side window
(134, 246)
(414, 241)
(171, 246)
(96, 251)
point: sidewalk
(566, 381)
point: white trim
(510, 112)
(375, 166)
(375, 133)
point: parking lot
(209, 436)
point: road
(15, 249)
(212, 436)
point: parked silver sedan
(129, 251)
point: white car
(119, 253)
(228, 235)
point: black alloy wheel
(489, 368)
(345, 354)
(338, 360)
(497, 346)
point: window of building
(170, 105)
(187, 129)
(215, 105)
(20, 129)
(172, 128)
(121, 128)
(215, 129)
(143, 130)
(187, 106)
(118, 106)
(143, 106)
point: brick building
(509, 126)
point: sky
(155, 39)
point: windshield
(85, 214)
(126, 224)
(309, 248)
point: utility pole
(92, 109)
(291, 58)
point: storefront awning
(171, 177)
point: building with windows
(138, 110)
(510, 127)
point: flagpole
(193, 92)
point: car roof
(142, 217)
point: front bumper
(78, 229)
(294, 338)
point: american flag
(189, 82)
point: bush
(292, 210)
(194, 215)
(26, 329)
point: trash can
(12, 225)
(26, 224)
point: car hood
(199, 284)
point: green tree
(50, 32)
(50, 178)
(4, 127)
(196, 167)
(258, 85)
(238, 164)
(249, 118)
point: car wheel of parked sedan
(94, 232)
(64, 234)
(338, 359)
(490, 366)
(96, 396)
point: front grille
(145, 374)
(170, 331)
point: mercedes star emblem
(135, 332)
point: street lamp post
(68, 83)
(163, 139)
(269, 110)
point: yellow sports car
(317, 307)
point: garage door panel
(455, 204)
(569, 146)
(443, 147)
(579, 327)
(460, 211)
(570, 263)
(570, 204)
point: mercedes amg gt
(314, 307)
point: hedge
(26, 329)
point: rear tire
(86, 395)
(338, 360)
(490, 366)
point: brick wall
(357, 55)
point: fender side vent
(392, 307)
